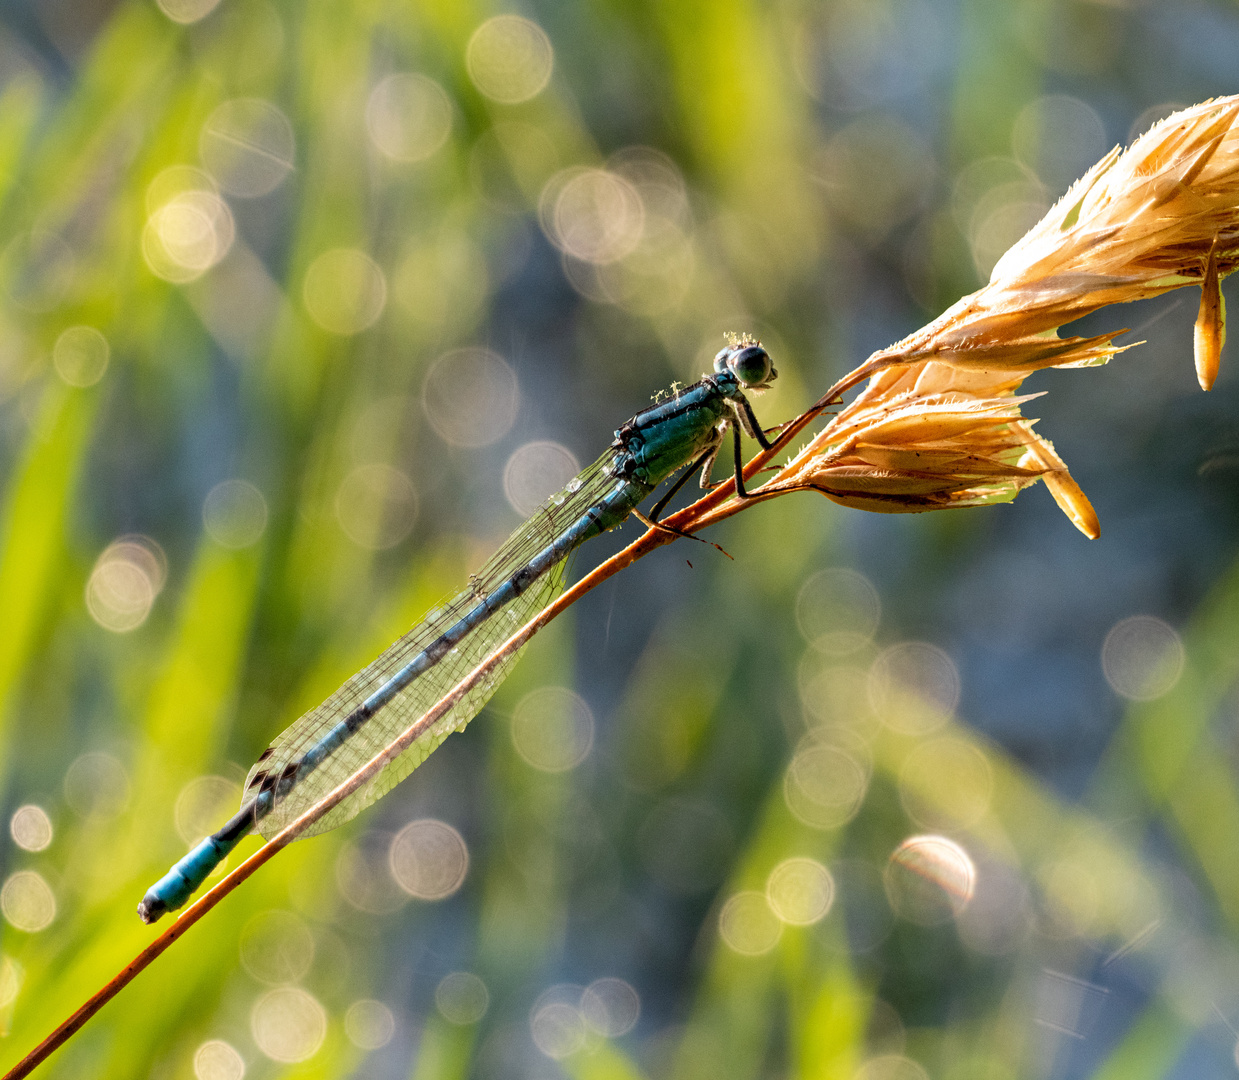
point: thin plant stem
(709, 509)
(146, 957)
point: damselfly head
(748, 362)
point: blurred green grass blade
(997, 74)
(19, 109)
(748, 130)
(32, 533)
(1206, 810)
(1030, 822)
(521, 922)
(445, 1051)
(830, 1033)
(1168, 731)
(1149, 1049)
(79, 154)
(1168, 744)
(189, 712)
(188, 716)
(732, 1028)
(606, 1061)
(738, 114)
(186, 720)
(673, 694)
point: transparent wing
(414, 700)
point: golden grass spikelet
(929, 436)
(939, 424)
(1210, 332)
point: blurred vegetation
(301, 303)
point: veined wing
(411, 702)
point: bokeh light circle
(1152, 115)
(553, 729)
(610, 1007)
(891, 1067)
(876, 172)
(96, 786)
(930, 879)
(27, 902)
(11, 978)
(344, 291)
(509, 59)
(288, 1024)
(556, 1023)
(534, 472)
(408, 117)
(80, 355)
(276, 947)
(428, 859)
(470, 397)
(234, 514)
(186, 12)
(597, 216)
(176, 180)
(914, 686)
(201, 804)
(364, 879)
(824, 785)
(376, 506)
(119, 595)
(369, 1024)
(1000, 227)
(248, 145)
(836, 696)
(800, 891)
(837, 610)
(1142, 658)
(188, 235)
(1058, 136)
(42, 269)
(124, 582)
(31, 828)
(748, 926)
(462, 998)
(218, 1060)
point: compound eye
(751, 365)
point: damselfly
(329, 743)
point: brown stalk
(1159, 216)
(710, 508)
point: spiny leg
(661, 527)
(749, 419)
(662, 503)
(705, 460)
(738, 464)
(746, 418)
(707, 464)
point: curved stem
(713, 507)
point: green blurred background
(304, 306)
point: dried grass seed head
(939, 424)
